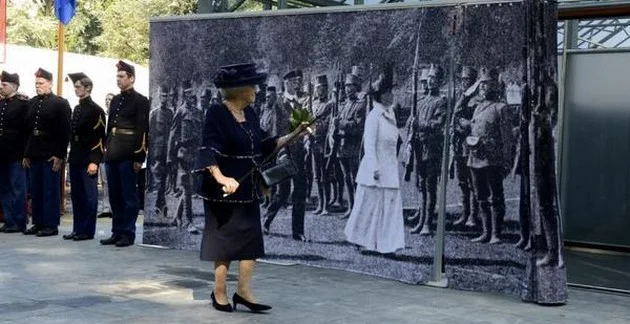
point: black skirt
(232, 232)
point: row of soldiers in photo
(35, 134)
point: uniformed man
(291, 100)
(428, 130)
(206, 100)
(86, 153)
(462, 115)
(125, 152)
(489, 143)
(46, 149)
(267, 124)
(322, 109)
(13, 134)
(185, 139)
(104, 208)
(350, 122)
(160, 122)
(332, 165)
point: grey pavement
(48, 280)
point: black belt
(8, 132)
(123, 131)
(37, 132)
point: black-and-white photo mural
(395, 91)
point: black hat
(41, 73)
(187, 85)
(385, 80)
(271, 89)
(77, 76)
(122, 66)
(207, 93)
(293, 74)
(321, 79)
(487, 74)
(8, 77)
(238, 75)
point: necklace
(238, 113)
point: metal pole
(282, 4)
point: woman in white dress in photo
(376, 220)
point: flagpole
(60, 50)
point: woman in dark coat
(234, 144)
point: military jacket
(490, 136)
(88, 133)
(13, 128)
(160, 122)
(127, 127)
(48, 127)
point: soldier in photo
(489, 143)
(126, 150)
(46, 149)
(292, 99)
(206, 100)
(86, 153)
(13, 134)
(267, 123)
(462, 114)
(350, 123)
(160, 121)
(332, 165)
(185, 139)
(104, 209)
(322, 110)
(545, 118)
(427, 129)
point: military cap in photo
(122, 66)
(321, 79)
(271, 89)
(41, 73)
(10, 77)
(238, 75)
(77, 76)
(435, 71)
(352, 79)
(488, 74)
(187, 85)
(469, 72)
(207, 93)
(293, 74)
(424, 75)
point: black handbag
(277, 173)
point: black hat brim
(257, 79)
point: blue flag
(64, 10)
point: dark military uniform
(322, 109)
(489, 143)
(49, 135)
(127, 131)
(297, 153)
(160, 122)
(462, 114)
(351, 123)
(86, 146)
(185, 139)
(13, 134)
(428, 146)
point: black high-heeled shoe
(223, 308)
(253, 307)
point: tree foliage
(113, 28)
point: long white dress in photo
(376, 220)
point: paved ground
(48, 280)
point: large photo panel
(339, 214)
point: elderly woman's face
(249, 94)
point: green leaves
(299, 116)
